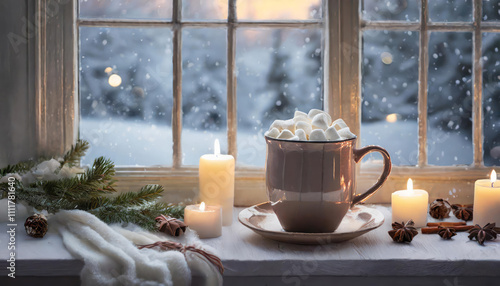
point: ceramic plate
(358, 220)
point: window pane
(491, 98)
(383, 10)
(449, 101)
(204, 9)
(450, 10)
(279, 71)
(491, 10)
(389, 94)
(279, 9)
(126, 94)
(126, 9)
(204, 92)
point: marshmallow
(320, 121)
(301, 134)
(283, 124)
(294, 138)
(304, 126)
(317, 135)
(339, 124)
(301, 118)
(285, 134)
(346, 133)
(273, 133)
(299, 113)
(314, 112)
(331, 134)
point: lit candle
(410, 204)
(487, 200)
(217, 182)
(205, 220)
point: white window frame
(57, 101)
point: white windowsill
(248, 256)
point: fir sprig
(90, 192)
(73, 156)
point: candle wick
(492, 184)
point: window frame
(57, 104)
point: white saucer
(359, 220)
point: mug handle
(358, 155)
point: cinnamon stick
(446, 223)
(435, 229)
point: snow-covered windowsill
(250, 259)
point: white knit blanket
(111, 257)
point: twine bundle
(170, 245)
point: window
(179, 74)
(430, 80)
(428, 85)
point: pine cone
(463, 212)
(440, 209)
(446, 232)
(403, 232)
(36, 225)
(170, 225)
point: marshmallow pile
(316, 125)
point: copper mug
(311, 184)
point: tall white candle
(205, 220)
(410, 204)
(217, 182)
(487, 201)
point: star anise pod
(403, 232)
(482, 234)
(440, 209)
(170, 225)
(446, 232)
(463, 212)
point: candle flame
(202, 206)
(409, 185)
(493, 177)
(216, 147)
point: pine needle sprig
(148, 193)
(73, 156)
(121, 214)
(21, 167)
(95, 181)
(143, 215)
(90, 192)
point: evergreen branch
(146, 194)
(95, 181)
(73, 156)
(120, 214)
(21, 167)
(143, 215)
(89, 192)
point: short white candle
(205, 220)
(487, 201)
(217, 182)
(410, 204)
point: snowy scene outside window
(127, 90)
(390, 87)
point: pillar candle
(487, 201)
(205, 220)
(217, 182)
(410, 204)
